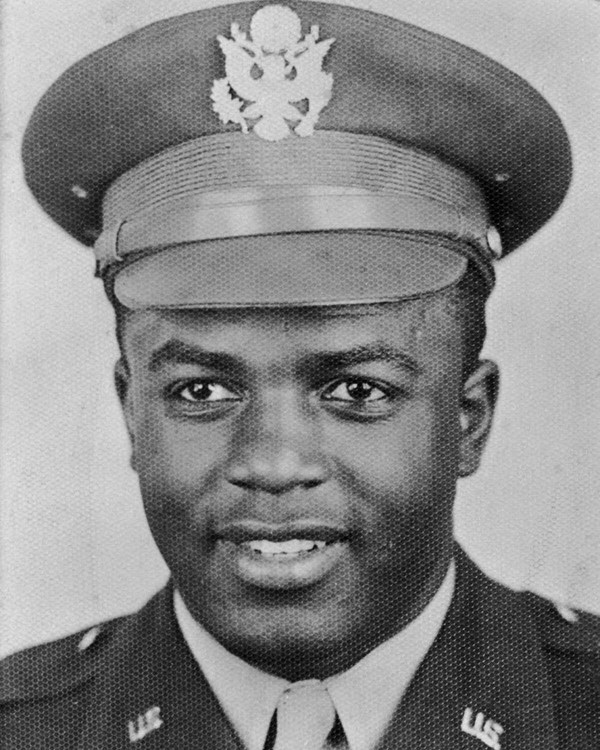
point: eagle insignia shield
(274, 81)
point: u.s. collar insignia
(274, 80)
(486, 730)
(145, 723)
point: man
(298, 246)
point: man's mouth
(290, 547)
(284, 556)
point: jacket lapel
(484, 682)
(150, 694)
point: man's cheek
(162, 443)
(178, 517)
(147, 418)
(394, 466)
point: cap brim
(292, 270)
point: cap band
(235, 185)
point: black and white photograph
(300, 375)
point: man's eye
(355, 391)
(203, 391)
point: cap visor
(291, 270)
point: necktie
(305, 717)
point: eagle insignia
(274, 81)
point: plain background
(74, 543)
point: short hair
(465, 300)
(469, 298)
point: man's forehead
(411, 324)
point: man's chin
(294, 647)
(302, 633)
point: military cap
(296, 153)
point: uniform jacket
(506, 671)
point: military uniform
(188, 154)
(503, 657)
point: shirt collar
(365, 696)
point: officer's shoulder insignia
(53, 668)
(562, 627)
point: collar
(365, 696)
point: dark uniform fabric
(510, 658)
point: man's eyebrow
(180, 352)
(372, 352)
(176, 351)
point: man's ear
(123, 386)
(479, 396)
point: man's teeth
(289, 547)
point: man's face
(298, 469)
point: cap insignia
(274, 80)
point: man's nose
(278, 447)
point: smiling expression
(298, 469)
